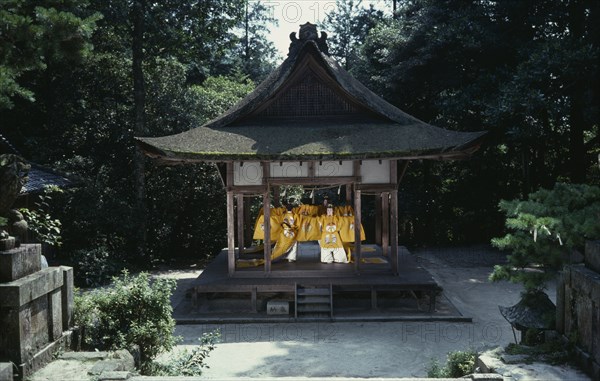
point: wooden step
(313, 291)
(313, 300)
(314, 308)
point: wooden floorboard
(374, 294)
(309, 270)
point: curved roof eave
(232, 136)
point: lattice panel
(309, 97)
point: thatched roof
(38, 177)
(310, 108)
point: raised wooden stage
(317, 291)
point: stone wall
(578, 308)
(36, 308)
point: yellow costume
(346, 229)
(332, 249)
(287, 242)
(309, 228)
(259, 228)
(335, 233)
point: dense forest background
(80, 78)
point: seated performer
(332, 249)
(287, 242)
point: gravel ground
(370, 350)
(383, 350)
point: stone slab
(560, 304)
(85, 356)
(67, 297)
(592, 255)
(583, 310)
(125, 358)
(110, 365)
(568, 321)
(487, 377)
(7, 243)
(514, 359)
(586, 282)
(19, 262)
(115, 376)
(55, 326)
(278, 307)
(6, 371)
(596, 331)
(22, 291)
(45, 355)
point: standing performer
(332, 249)
(287, 242)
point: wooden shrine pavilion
(311, 123)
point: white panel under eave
(374, 172)
(334, 168)
(250, 173)
(289, 169)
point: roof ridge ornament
(308, 32)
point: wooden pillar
(385, 228)
(248, 226)
(378, 218)
(230, 222)
(239, 198)
(276, 200)
(394, 230)
(357, 217)
(394, 216)
(348, 194)
(267, 214)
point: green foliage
(256, 54)
(525, 71)
(188, 363)
(348, 28)
(218, 94)
(551, 351)
(545, 228)
(132, 311)
(35, 36)
(95, 267)
(45, 228)
(458, 364)
(496, 66)
(186, 203)
(83, 311)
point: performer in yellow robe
(332, 249)
(287, 242)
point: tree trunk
(577, 155)
(139, 98)
(576, 112)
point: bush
(187, 363)
(95, 267)
(132, 311)
(458, 364)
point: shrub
(45, 228)
(95, 267)
(187, 363)
(458, 364)
(545, 228)
(132, 311)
